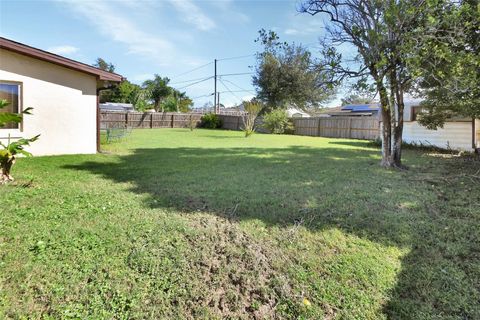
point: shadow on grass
(332, 187)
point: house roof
(58, 60)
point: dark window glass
(11, 93)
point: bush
(211, 121)
(276, 121)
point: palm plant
(11, 149)
(157, 90)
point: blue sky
(166, 37)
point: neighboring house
(351, 110)
(457, 133)
(63, 94)
(113, 106)
(293, 112)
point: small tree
(10, 150)
(276, 121)
(157, 90)
(252, 109)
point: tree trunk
(398, 108)
(5, 170)
(387, 158)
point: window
(415, 111)
(11, 92)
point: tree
(356, 99)
(9, 151)
(104, 65)
(447, 62)
(252, 109)
(286, 74)
(157, 90)
(105, 95)
(380, 32)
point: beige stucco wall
(64, 103)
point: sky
(175, 39)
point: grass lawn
(207, 224)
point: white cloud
(63, 50)
(192, 14)
(120, 28)
(291, 31)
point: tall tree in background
(105, 95)
(104, 65)
(447, 62)
(356, 99)
(380, 32)
(287, 74)
(157, 90)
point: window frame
(20, 103)
(414, 111)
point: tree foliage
(287, 74)
(380, 32)
(104, 65)
(356, 99)
(447, 62)
(9, 151)
(157, 90)
(253, 109)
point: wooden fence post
(318, 127)
(126, 119)
(349, 136)
(238, 122)
(173, 118)
(151, 120)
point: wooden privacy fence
(333, 127)
(111, 119)
(338, 127)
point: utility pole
(218, 102)
(215, 89)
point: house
(457, 133)
(352, 110)
(113, 106)
(293, 112)
(63, 94)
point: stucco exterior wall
(64, 103)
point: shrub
(211, 121)
(252, 109)
(276, 121)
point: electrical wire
(230, 91)
(191, 84)
(194, 69)
(233, 74)
(251, 91)
(237, 57)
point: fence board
(338, 127)
(334, 127)
(147, 119)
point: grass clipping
(214, 270)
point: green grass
(207, 224)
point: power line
(237, 57)
(228, 89)
(194, 69)
(191, 84)
(186, 81)
(203, 96)
(239, 87)
(234, 74)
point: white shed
(461, 134)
